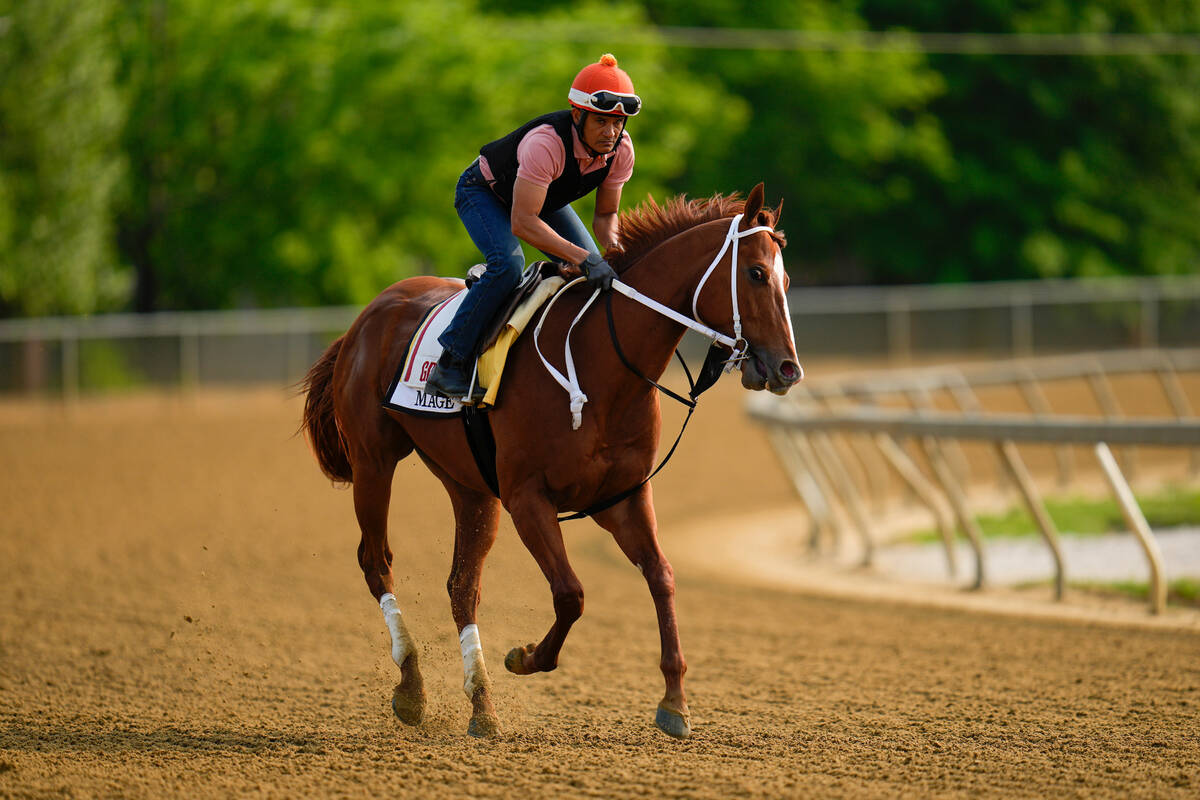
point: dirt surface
(181, 614)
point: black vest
(501, 156)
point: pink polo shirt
(541, 158)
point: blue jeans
(487, 219)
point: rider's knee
(507, 271)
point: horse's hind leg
(372, 495)
(633, 526)
(476, 516)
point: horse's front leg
(536, 521)
(634, 528)
(476, 516)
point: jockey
(520, 189)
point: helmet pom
(603, 75)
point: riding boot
(450, 378)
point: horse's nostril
(789, 370)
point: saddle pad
(407, 392)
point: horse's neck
(669, 274)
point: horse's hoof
(408, 707)
(672, 723)
(514, 662)
(484, 726)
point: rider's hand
(598, 272)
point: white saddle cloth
(407, 392)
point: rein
(714, 363)
(709, 373)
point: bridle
(737, 344)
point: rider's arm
(528, 226)
(604, 223)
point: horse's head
(758, 294)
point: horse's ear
(754, 204)
(778, 212)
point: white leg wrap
(474, 672)
(401, 646)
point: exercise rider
(520, 189)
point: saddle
(533, 275)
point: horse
(546, 463)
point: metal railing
(821, 431)
(183, 349)
(1018, 318)
(189, 349)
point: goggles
(606, 102)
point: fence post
(1036, 399)
(189, 357)
(1107, 399)
(1037, 509)
(1022, 324)
(911, 475)
(70, 364)
(874, 480)
(850, 498)
(824, 482)
(968, 403)
(1137, 523)
(1148, 335)
(899, 326)
(958, 501)
(804, 483)
(1178, 399)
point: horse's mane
(648, 225)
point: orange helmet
(604, 87)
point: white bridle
(739, 353)
(737, 344)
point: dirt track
(181, 614)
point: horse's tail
(319, 421)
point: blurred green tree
(841, 135)
(295, 153)
(1065, 165)
(60, 119)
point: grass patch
(1184, 592)
(1170, 508)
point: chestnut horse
(543, 465)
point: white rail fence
(70, 355)
(841, 442)
(183, 349)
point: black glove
(598, 272)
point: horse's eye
(758, 274)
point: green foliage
(60, 114)
(182, 154)
(286, 154)
(1065, 166)
(842, 136)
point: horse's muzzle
(765, 370)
